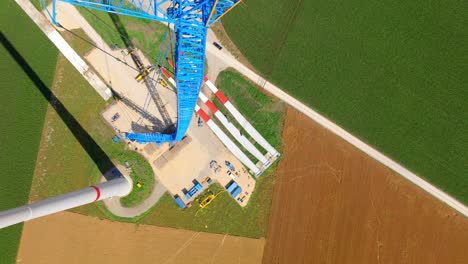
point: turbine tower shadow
(97, 154)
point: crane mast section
(191, 19)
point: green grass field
(64, 164)
(224, 215)
(22, 115)
(394, 73)
(144, 34)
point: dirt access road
(334, 204)
(72, 238)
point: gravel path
(116, 208)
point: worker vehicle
(231, 174)
(115, 117)
(229, 165)
(217, 45)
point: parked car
(115, 117)
(217, 45)
(231, 174)
(229, 165)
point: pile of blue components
(116, 139)
(197, 187)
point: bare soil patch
(72, 238)
(333, 204)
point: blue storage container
(179, 202)
(232, 187)
(236, 192)
(193, 191)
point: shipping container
(236, 192)
(231, 186)
(179, 201)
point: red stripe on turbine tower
(98, 192)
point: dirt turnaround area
(72, 238)
(333, 204)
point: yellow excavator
(143, 71)
(208, 199)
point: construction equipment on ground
(138, 109)
(214, 165)
(167, 125)
(163, 83)
(229, 165)
(208, 199)
(207, 180)
(144, 73)
(142, 70)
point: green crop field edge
(23, 68)
(393, 73)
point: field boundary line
(67, 51)
(226, 57)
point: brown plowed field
(333, 204)
(72, 238)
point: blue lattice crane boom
(191, 19)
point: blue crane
(191, 19)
